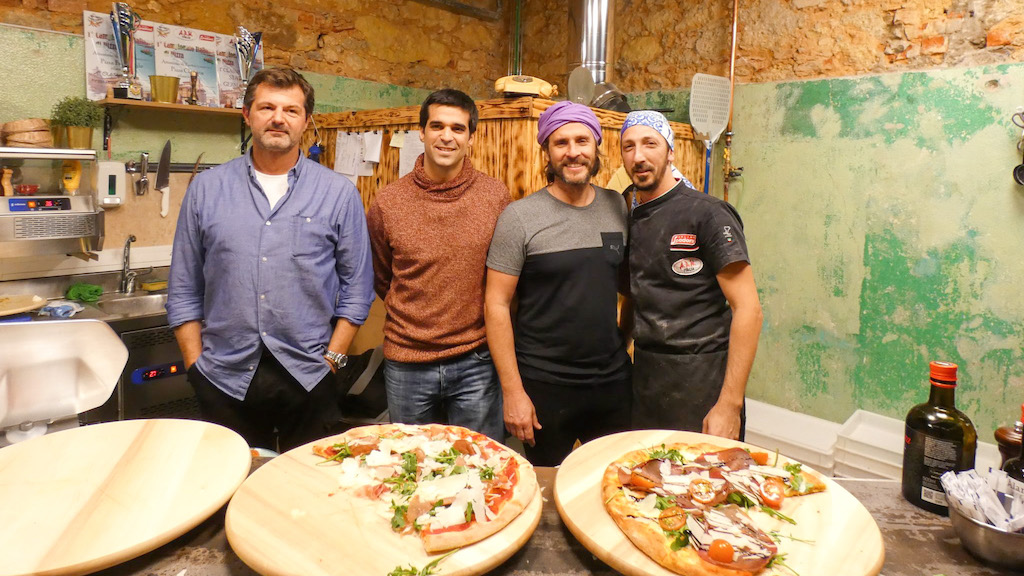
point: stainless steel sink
(129, 305)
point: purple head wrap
(562, 113)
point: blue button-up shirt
(261, 277)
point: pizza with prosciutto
(689, 506)
(447, 485)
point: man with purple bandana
(697, 314)
(564, 371)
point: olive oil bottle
(938, 438)
(1014, 467)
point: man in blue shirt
(269, 248)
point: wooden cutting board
(20, 303)
(290, 519)
(846, 539)
(80, 500)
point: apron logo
(687, 266)
(685, 242)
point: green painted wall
(39, 68)
(885, 231)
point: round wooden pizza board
(289, 518)
(20, 303)
(846, 539)
(80, 500)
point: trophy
(247, 45)
(125, 21)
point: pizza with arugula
(447, 485)
(689, 507)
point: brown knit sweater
(430, 246)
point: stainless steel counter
(917, 543)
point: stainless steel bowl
(988, 544)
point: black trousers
(277, 412)
(570, 413)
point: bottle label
(926, 459)
(1016, 488)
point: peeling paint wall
(885, 232)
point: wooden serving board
(80, 500)
(291, 519)
(846, 539)
(20, 303)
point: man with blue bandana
(697, 316)
(564, 371)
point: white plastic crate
(873, 436)
(844, 470)
(851, 461)
(803, 438)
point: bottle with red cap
(1014, 467)
(938, 438)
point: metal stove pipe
(590, 27)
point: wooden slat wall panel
(504, 146)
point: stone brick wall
(398, 42)
(658, 44)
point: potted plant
(79, 116)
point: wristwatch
(336, 360)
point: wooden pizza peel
(80, 500)
(17, 303)
(289, 518)
(846, 539)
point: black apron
(676, 391)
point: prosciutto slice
(753, 548)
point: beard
(650, 179)
(576, 178)
(275, 141)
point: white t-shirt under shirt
(275, 186)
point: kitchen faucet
(127, 285)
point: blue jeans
(462, 391)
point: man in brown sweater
(430, 232)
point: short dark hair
(549, 172)
(450, 97)
(279, 78)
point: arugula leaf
(740, 499)
(426, 571)
(398, 519)
(459, 470)
(777, 514)
(469, 511)
(402, 485)
(448, 456)
(779, 560)
(796, 478)
(680, 538)
(343, 452)
(487, 473)
(665, 454)
(663, 502)
(793, 467)
(409, 463)
(778, 536)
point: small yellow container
(164, 88)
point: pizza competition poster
(211, 55)
(102, 68)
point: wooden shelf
(112, 103)
(109, 102)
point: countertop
(917, 543)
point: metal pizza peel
(709, 113)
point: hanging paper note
(346, 153)
(409, 153)
(371, 146)
(398, 139)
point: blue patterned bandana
(653, 119)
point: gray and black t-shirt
(567, 259)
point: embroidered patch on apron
(684, 242)
(687, 266)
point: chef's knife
(142, 186)
(163, 179)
